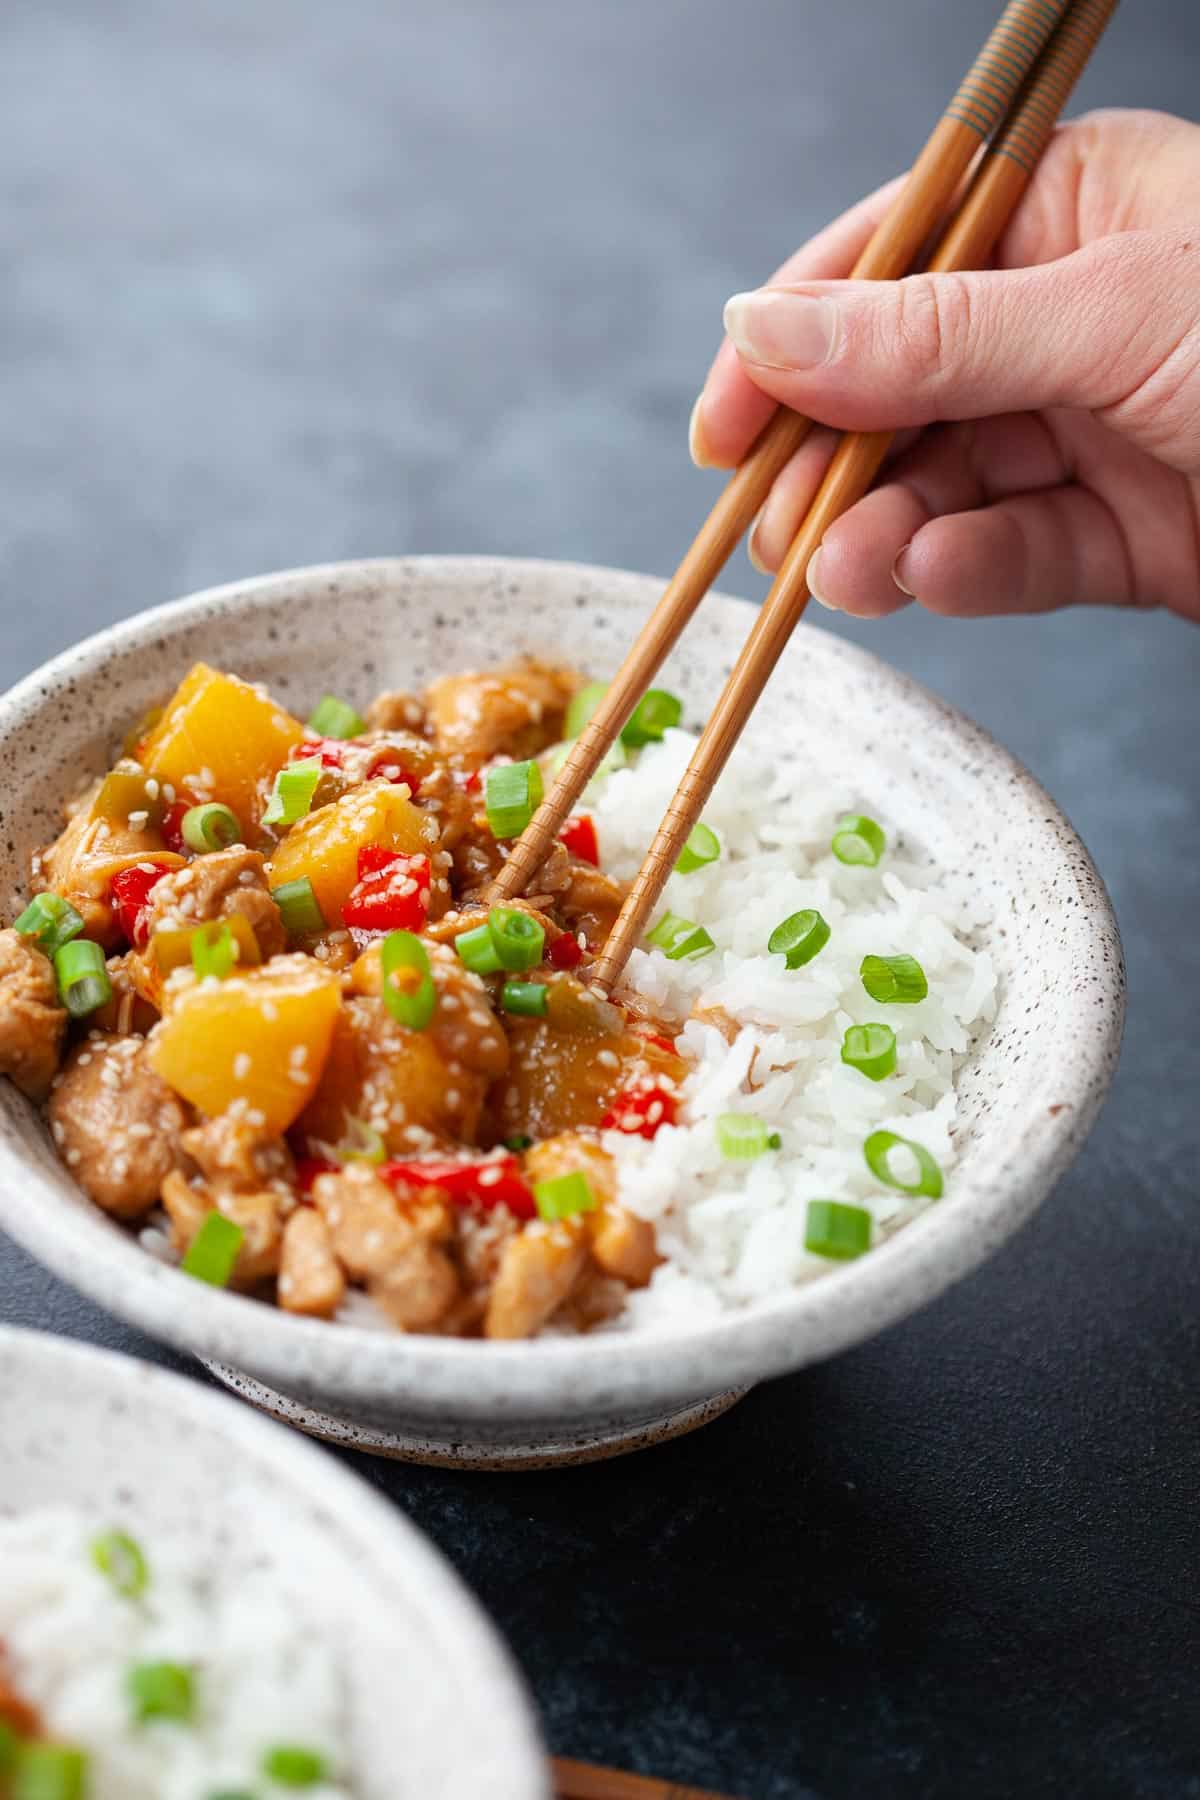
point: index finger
(731, 411)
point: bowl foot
(425, 1444)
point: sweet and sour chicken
(265, 1001)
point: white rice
(263, 1677)
(733, 1232)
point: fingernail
(751, 551)
(695, 447)
(812, 578)
(782, 330)
(900, 572)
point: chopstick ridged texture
(987, 91)
(989, 87)
(967, 242)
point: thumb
(1113, 328)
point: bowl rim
(399, 1551)
(606, 1370)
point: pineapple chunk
(257, 1042)
(217, 726)
(325, 846)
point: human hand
(1055, 398)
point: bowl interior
(151, 1451)
(841, 716)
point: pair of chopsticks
(585, 1781)
(1012, 96)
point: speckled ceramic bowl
(1028, 1094)
(151, 1451)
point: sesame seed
(74, 1158)
(286, 1284)
(299, 1076)
(58, 1131)
(81, 1062)
(139, 820)
(151, 789)
(242, 1065)
(256, 1117)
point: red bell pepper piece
(565, 952)
(391, 894)
(330, 750)
(579, 835)
(642, 1112)
(498, 1182)
(171, 829)
(131, 894)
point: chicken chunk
(399, 1251)
(118, 1126)
(32, 1022)
(463, 1027)
(257, 1216)
(413, 1087)
(589, 901)
(622, 1244)
(396, 712)
(131, 1011)
(241, 1157)
(81, 864)
(514, 711)
(538, 1270)
(311, 1281)
(216, 887)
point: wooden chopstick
(586, 1781)
(974, 113)
(968, 241)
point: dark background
(283, 281)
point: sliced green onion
(871, 1049)
(214, 1250)
(408, 990)
(291, 1765)
(518, 1143)
(361, 1144)
(878, 1150)
(526, 998)
(211, 827)
(477, 950)
(582, 707)
(292, 795)
(214, 951)
(857, 839)
(680, 940)
(654, 713)
(121, 1559)
(835, 1230)
(564, 1196)
(161, 1690)
(518, 938)
(895, 980)
(83, 982)
(51, 920)
(50, 1772)
(799, 937)
(744, 1136)
(298, 903)
(702, 847)
(333, 718)
(512, 795)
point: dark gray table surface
(287, 281)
